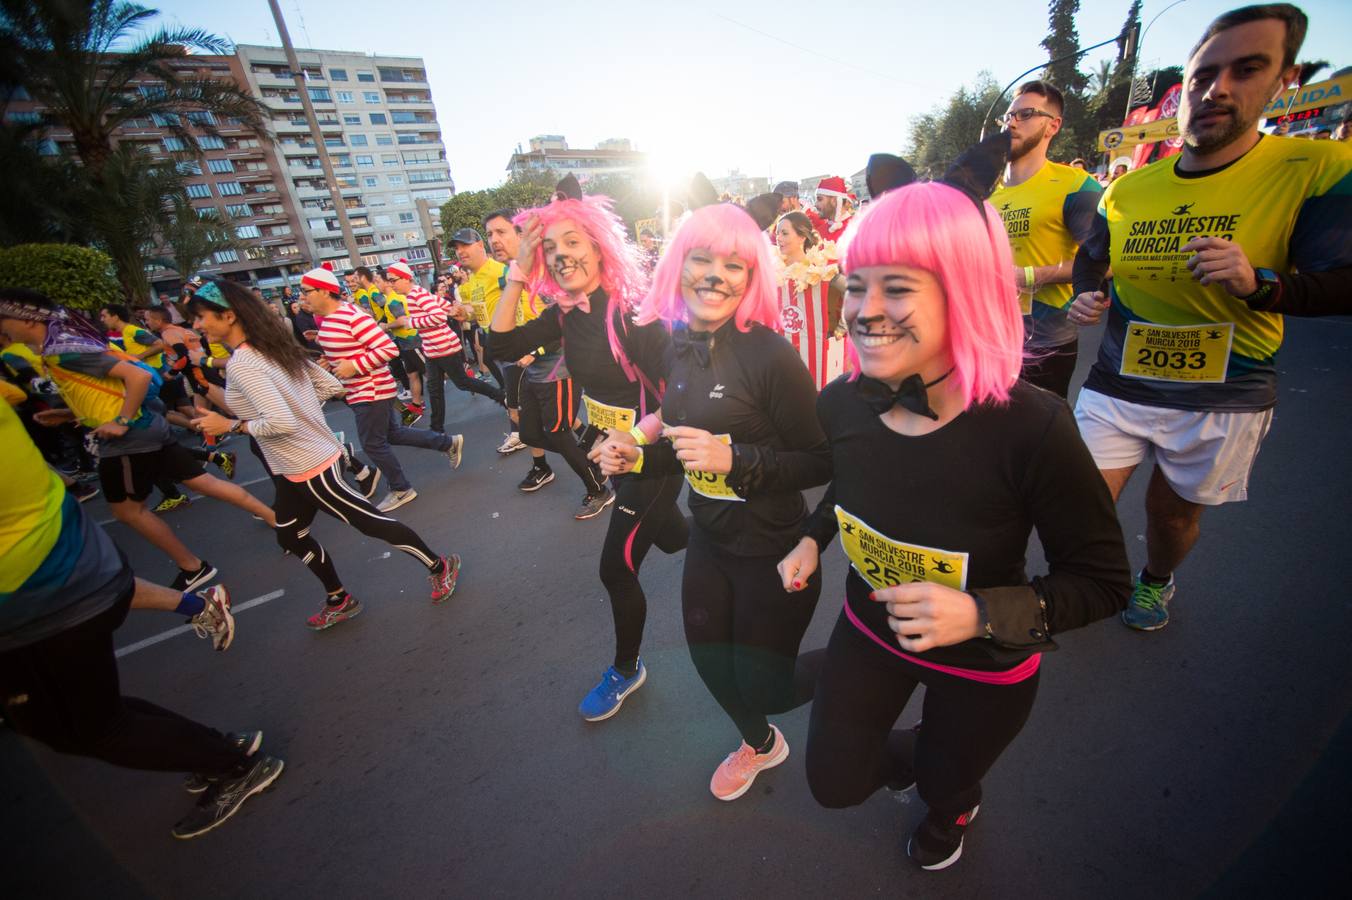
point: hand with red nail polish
(796, 568)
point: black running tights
(743, 630)
(644, 514)
(298, 501)
(851, 747)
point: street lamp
(1131, 92)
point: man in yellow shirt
(135, 340)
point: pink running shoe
(330, 616)
(443, 585)
(735, 775)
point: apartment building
(380, 129)
(551, 152)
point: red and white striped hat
(833, 187)
(321, 279)
(398, 270)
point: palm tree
(1103, 75)
(128, 209)
(192, 236)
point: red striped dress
(349, 333)
(803, 311)
(428, 313)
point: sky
(769, 88)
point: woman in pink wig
(739, 421)
(944, 462)
(573, 251)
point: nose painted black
(713, 281)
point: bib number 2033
(1190, 353)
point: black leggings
(852, 750)
(644, 514)
(547, 412)
(743, 630)
(452, 367)
(1051, 368)
(298, 501)
(64, 691)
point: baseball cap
(466, 236)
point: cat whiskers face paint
(897, 318)
(712, 287)
(571, 258)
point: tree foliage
(192, 236)
(938, 137)
(77, 277)
(467, 209)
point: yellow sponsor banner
(1130, 135)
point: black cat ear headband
(975, 172)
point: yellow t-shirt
(33, 497)
(136, 340)
(482, 291)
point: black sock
(337, 599)
(439, 567)
(627, 669)
(1151, 578)
(768, 745)
(540, 465)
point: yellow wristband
(637, 434)
(207, 362)
(638, 463)
(1029, 276)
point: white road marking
(235, 608)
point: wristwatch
(236, 426)
(123, 421)
(1269, 283)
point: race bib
(1026, 302)
(1192, 353)
(601, 415)
(707, 484)
(884, 562)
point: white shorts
(1206, 457)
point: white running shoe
(215, 620)
(395, 499)
(512, 444)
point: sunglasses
(1023, 115)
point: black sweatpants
(298, 501)
(452, 367)
(743, 630)
(64, 692)
(547, 412)
(965, 726)
(1051, 368)
(644, 514)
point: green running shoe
(1148, 609)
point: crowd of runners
(913, 357)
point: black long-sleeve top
(586, 352)
(752, 386)
(975, 489)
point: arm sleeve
(276, 418)
(524, 339)
(326, 385)
(1088, 575)
(1321, 257)
(822, 524)
(425, 315)
(805, 461)
(1091, 261)
(1310, 294)
(659, 458)
(1080, 210)
(379, 347)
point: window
(26, 118)
(365, 161)
(164, 120)
(199, 191)
(211, 142)
(419, 252)
(320, 95)
(256, 253)
(370, 181)
(381, 221)
(206, 212)
(424, 157)
(345, 97)
(341, 159)
(201, 118)
(333, 142)
(225, 256)
(248, 231)
(406, 218)
(268, 209)
(278, 230)
(239, 210)
(188, 167)
(346, 181)
(389, 159)
(220, 166)
(376, 200)
(366, 76)
(371, 96)
(358, 140)
(227, 188)
(387, 238)
(287, 250)
(358, 222)
(397, 180)
(384, 140)
(319, 225)
(174, 145)
(337, 74)
(403, 117)
(379, 119)
(424, 177)
(151, 91)
(351, 120)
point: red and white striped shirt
(349, 333)
(428, 314)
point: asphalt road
(437, 752)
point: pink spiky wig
(723, 230)
(936, 228)
(622, 276)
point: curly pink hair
(723, 230)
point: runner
(356, 352)
(811, 291)
(64, 589)
(1208, 249)
(944, 463)
(105, 390)
(372, 302)
(441, 349)
(395, 321)
(742, 428)
(276, 393)
(1048, 209)
(138, 342)
(574, 250)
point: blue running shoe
(606, 698)
(1148, 609)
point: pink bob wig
(723, 230)
(937, 228)
(622, 275)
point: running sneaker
(937, 842)
(247, 742)
(212, 441)
(84, 490)
(411, 413)
(443, 585)
(607, 697)
(186, 581)
(457, 448)
(404, 395)
(395, 499)
(1148, 609)
(735, 775)
(536, 478)
(512, 443)
(331, 615)
(595, 504)
(367, 480)
(169, 504)
(215, 620)
(225, 461)
(224, 798)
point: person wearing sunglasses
(275, 394)
(741, 426)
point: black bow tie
(693, 344)
(912, 394)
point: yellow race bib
(708, 484)
(1192, 353)
(602, 415)
(884, 562)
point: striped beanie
(398, 270)
(322, 279)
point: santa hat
(398, 270)
(835, 187)
(326, 265)
(321, 279)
